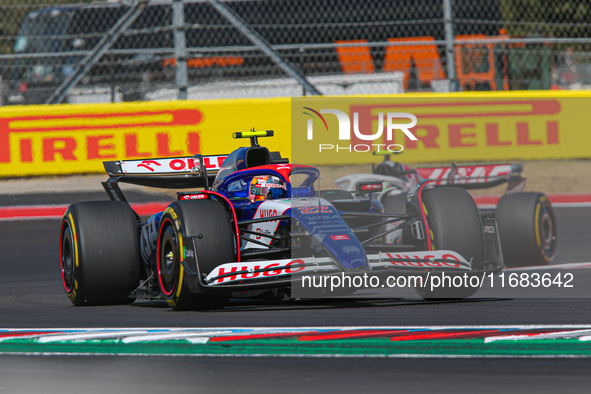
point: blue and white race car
(252, 222)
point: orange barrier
(355, 59)
(424, 54)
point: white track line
(173, 336)
(198, 340)
(581, 265)
(553, 335)
(571, 204)
(262, 355)
(203, 336)
(88, 336)
(246, 330)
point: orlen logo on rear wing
(170, 165)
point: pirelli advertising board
(74, 139)
(485, 127)
(69, 139)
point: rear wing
(477, 176)
(470, 176)
(167, 173)
(183, 172)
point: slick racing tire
(454, 224)
(99, 253)
(527, 229)
(207, 221)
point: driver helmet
(266, 187)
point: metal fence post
(99, 50)
(180, 49)
(450, 60)
(264, 46)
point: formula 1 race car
(526, 220)
(263, 226)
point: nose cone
(330, 232)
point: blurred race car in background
(257, 223)
(526, 220)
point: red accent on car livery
(267, 213)
(249, 270)
(315, 210)
(256, 271)
(173, 164)
(426, 264)
(339, 237)
(201, 196)
(222, 271)
(377, 187)
(148, 163)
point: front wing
(255, 271)
(273, 273)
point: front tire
(99, 253)
(527, 229)
(454, 224)
(209, 222)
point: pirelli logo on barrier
(50, 143)
(71, 139)
(470, 123)
(447, 128)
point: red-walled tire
(99, 253)
(209, 222)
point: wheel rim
(67, 258)
(168, 260)
(547, 232)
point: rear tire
(454, 224)
(99, 253)
(208, 221)
(527, 229)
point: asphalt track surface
(31, 296)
